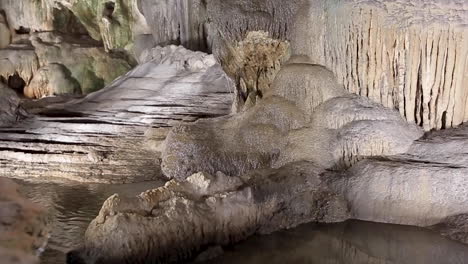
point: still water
(73, 206)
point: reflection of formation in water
(350, 242)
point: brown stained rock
(253, 63)
(23, 226)
(5, 34)
(50, 80)
(10, 109)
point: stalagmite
(176, 221)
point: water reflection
(351, 242)
(72, 206)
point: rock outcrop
(115, 23)
(10, 109)
(53, 79)
(23, 227)
(5, 34)
(422, 187)
(287, 125)
(175, 221)
(103, 137)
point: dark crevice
(16, 83)
(108, 11)
(51, 142)
(22, 30)
(41, 152)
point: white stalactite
(412, 56)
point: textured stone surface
(23, 227)
(422, 187)
(278, 130)
(101, 138)
(5, 34)
(113, 22)
(53, 79)
(180, 22)
(10, 110)
(412, 56)
(175, 221)
(89, 65)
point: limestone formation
(180, 22)
(115, 23)
(88, 65)
(422, 187)
(53, 79)
(10, 109)
(307, 111)
(412, 56)
(23, 227)
(250, 39)
(103, 137)
(5, 34)
(306, 85)
(253, 63)
(440, 191)
(233, 145)
(175, 221)
(19, 60)
(279, 130)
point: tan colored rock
(10, 110)
(23, 231)
(253, 63)
(22, 61)
(53, 79)
(233, 145)
(314, 121)
(5, 34)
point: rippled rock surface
(113, 135)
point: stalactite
(395, 53)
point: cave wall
(412, 56)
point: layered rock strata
(104, 136)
